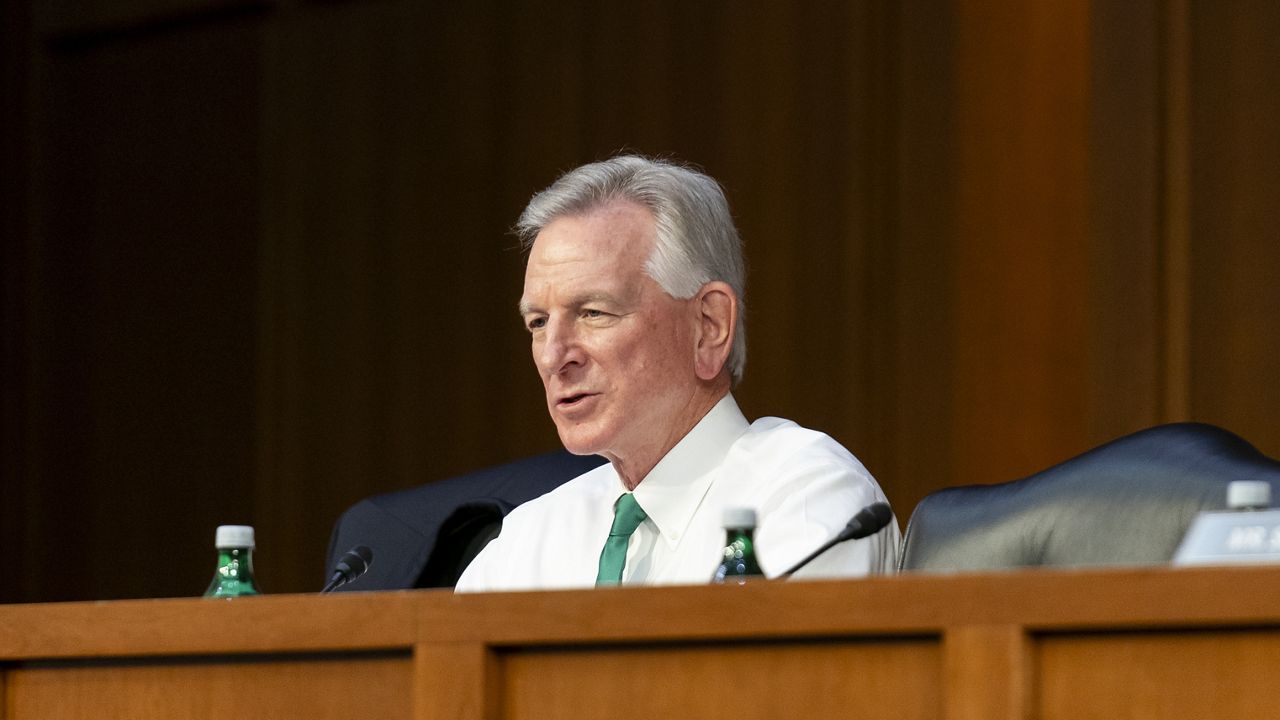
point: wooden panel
(1158, 675)
(17, 141)
(1129, 289)
(456, 681)
(908, 604)
(75, 20)
(369, 378)
(139, 431)
(264, 687)
(1119, 643)
(293, 623)
(1235, 180)
(915, 377)
(1175, 214)
(1028, 314)
(899, 679)
(988, 673)
(1021, 322)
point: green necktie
(627, 516)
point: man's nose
(560, 347)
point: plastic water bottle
(738, 564)
(234, 576)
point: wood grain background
(256, 263)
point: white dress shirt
(803, 485)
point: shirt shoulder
(772, 443)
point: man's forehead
(573, 270)
(581, 279)
(617, 225)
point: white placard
(1239, 537)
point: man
(633, 298)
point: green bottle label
(738, 562)
(234, 576)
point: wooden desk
(1099, 644)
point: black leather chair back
(426, 535)
(1128, 502)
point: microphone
(869, 521)
(349, 567)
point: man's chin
(579, 449)
(580, 443)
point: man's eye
(536, 323)
(593, 313)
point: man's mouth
(569, 401)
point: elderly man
(633, 298)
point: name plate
(1231, 538)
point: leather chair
(1128, 502)
(426, 535)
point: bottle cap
(234, 536)
(1244, 494)
(739, 517)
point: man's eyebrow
(525, 307)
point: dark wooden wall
(256, 260)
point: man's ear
(717, 314)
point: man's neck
(636, 466)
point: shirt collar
(672, 491)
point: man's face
(615, 352)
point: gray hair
(696, 241)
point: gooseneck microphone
(349, 567)
(869, 521)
